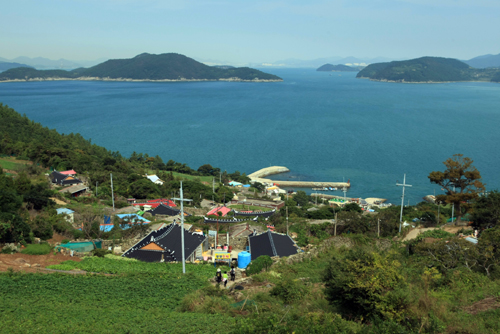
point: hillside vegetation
(167, 66)
(426, 69)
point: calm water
(322, 126)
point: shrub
(367, 284)
(37, 249)
(437, 233)
(65, 241)
(100, 252)
(289, 290)
(256, 266)
(77, 234)
(7, 250)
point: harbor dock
(259, 176)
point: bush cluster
(260, 263)
(37, 249)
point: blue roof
(133, 216)
(470, 239)
(64, 210)
(234, 183)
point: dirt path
(415, 232)
(450, 229)
(32, 263)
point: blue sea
(322, 126)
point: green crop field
(138, 298)
(61, 303)
(110, 265)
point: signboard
(222, 256)
(212, 233)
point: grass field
(11, 164)
(193, 177)
(241, 207)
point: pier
(259, 175)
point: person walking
(233, 273)
(225, 278)
(218, 276)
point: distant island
(7, 65)
(337, 68)
(427, 70)
(144, 67)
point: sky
(249, 31)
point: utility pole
(335, 233)
(402, 200)
(112, 194)
(453, 207)
(378, 228)
(182, 200)
(439, 207)
(213, 185)
(287, 220)
(345, 191)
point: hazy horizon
(257, 32)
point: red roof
(68, 172)
(156, 202)
(222, 209)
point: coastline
(137, 80)
(420, 82)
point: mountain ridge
(426, 70)
(143, 67)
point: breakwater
(259, 175)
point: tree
(352, 207)
(486, 210)
(206, 169)
(301, 198)
(90, 219)
(41, 227)
(460, 180)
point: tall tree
(486, 210)
(460, 180)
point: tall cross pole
(402, 200)
(182, 200)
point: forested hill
(167, 66)
(426, 69)
(27, 139)
(337, 68)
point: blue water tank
(244, 259)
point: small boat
(330, 188)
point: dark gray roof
(272, 244)
(163, 209)
(63, 180)
(264, 214)
(168, 238)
